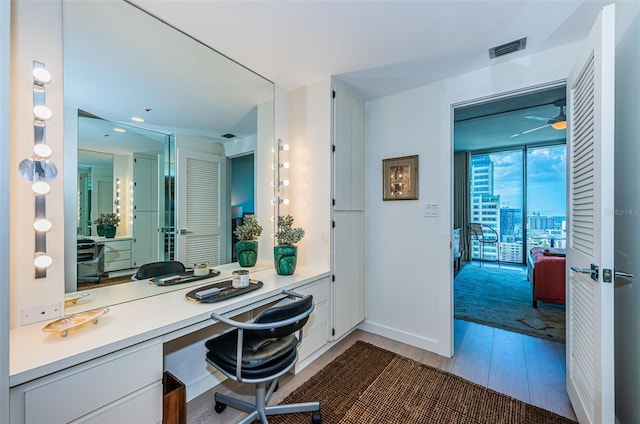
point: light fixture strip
(39, 137)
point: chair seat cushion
(260, 358)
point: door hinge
(333, 224)
(333, 277)
(333, 148)
(333, 331)
(333, 202)
(334, 94)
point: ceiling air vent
(228, 135)
(507, 48)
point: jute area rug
(367, 384)
(502, 298)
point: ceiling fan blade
(537, 118)
(531, 130)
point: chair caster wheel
(220, 407)
(316, 418)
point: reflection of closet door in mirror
(101, 197)
(201, 207)
(145, 209)
(84, 208)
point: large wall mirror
(161, 131)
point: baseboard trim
(402, 336)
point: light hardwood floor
(527, 368)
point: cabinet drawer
(113, 256)
(319, 316)
(313, 340)
(117, 245)
(117, 265)
(66, 396)
(143, 406)
(319, 290)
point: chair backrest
(282, 312)
(155, 269)
(482, 232)
(475, 229)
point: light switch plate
(430, 210)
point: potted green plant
(285, 253)
(110, 221)
(247, 245)
(100, 225)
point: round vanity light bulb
(42, 150)
(273, 201)
(285, 201)
(41, 188)
(285, 165)
(285, 147)
(42, 260)
(42, 113)
(41, 75)
(42, 225)
(285, 182)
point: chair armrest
(250, 325)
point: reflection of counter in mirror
(199, 108)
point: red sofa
(546, 272)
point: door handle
(623, 274)
(184, 232)
(593, 271)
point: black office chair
(483, 234)
(155, 269)
(267, 349)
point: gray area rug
(501, 297)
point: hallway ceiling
(377, 47)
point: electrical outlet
(41, 313)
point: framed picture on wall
(400, 178)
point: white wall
(627, 206)
(36, 35)
(408, 261)
(5, 82)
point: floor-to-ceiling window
(520, 193)
(546, 197)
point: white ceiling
(377, 47)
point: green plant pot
(100, 230)
(285, 259)
(109, 231)
(247, 251)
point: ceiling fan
(557, 123)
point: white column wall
(409, 294)
(310, 172)
(627, 212)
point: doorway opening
(510, 182)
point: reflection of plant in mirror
(108, 219)
(287, 235)
(249, 230)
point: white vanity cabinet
(117, 253)
(316, 332)
(123, 387)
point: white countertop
(35, 353)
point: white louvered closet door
(201, 209)
(590, 337)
